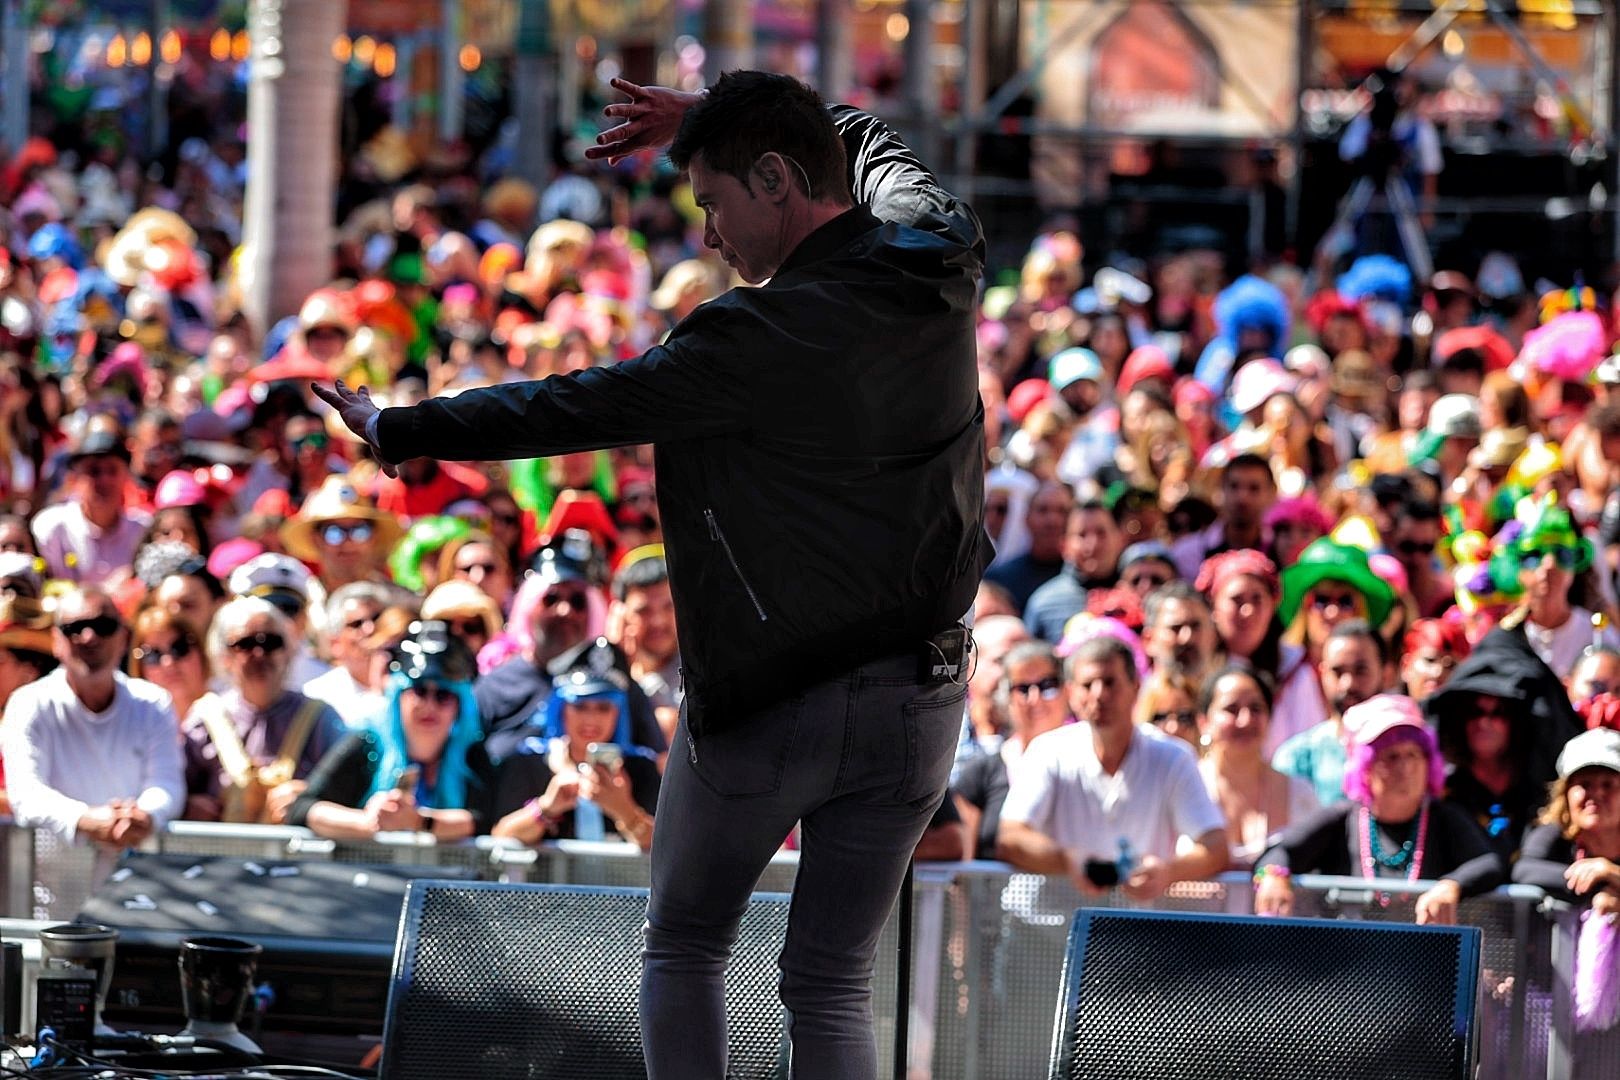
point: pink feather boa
(1597, 972)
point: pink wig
(519, 633)
(1359, 760)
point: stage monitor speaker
(1166, 996)
(314, 920)
(532, 982)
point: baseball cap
(1072, 365)
(280, 579)
(1598, 748)
(1380, 714)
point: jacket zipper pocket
(716, 534)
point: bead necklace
(1410, 855)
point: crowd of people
(1294, 573)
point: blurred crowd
(1296, 572)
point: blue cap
(1072, 365)
(55, 241)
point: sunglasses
(1180, 716)
(500, 518)
(438, 695)
(316, 440)
(176, 652)
(1342, 601)
(333, 535)
(103, 626)
(1414, 547)
(469, 628)
(1564, 557)
(1049, 688)
(267, 641)
(558, 599)
(1484, 707)
(482, 567)
(334, 332)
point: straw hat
(129, 253)
(457, 599)
(24, 624)
(336, 500)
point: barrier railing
(988, 942)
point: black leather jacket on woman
(819, 442)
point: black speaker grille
(1162, 997)
(514, 982)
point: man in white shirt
(1107, 801)
(92, 535)
(91, 753)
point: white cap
(1598, 748)
(270, 572)
(1455, 416)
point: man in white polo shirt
(1106, 801)
(92, 534)
(91, 753)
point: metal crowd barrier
(988, 942)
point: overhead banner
(1155, 68)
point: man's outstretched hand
(355, 408)
(651, 118)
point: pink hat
(1145, 362)
(179, 488)
(231, 554)
(1190, 389)
(1364, 723)
(1258, 381)
(1299, 510)
(1390, 569)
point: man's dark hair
(1153, 606)
(42, 662)
(641, 574)
(1605, 420)
(749, 114)
(1362, 629)
(1421, 379)
(1249, 461)
(1416, 508)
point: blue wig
(1377, 277)
(449, 790)
(552, 724)
(1249, 303)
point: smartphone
(1102, 873)
(604, 755)
(408, 776)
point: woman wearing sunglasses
(167, 650)
(249, 748)
(1550, 555)
(419, 766)
(1031, 693)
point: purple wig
(1358, 762)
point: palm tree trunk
(728, 37)
(293, 101)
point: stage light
(342, 48)
(365, 50)
(897, 26)
(170, 47)
(385, 61)
(1452, 44)
(140, 49)
(470, 57)
(219, 45)
(117, 51)
(240, 46)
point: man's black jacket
(818, 441)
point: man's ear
(772, 172)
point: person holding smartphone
(581, 778)
(419, 765)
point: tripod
(1341, 235)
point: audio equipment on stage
(501, 982)
(1169, 995)
(327, 930)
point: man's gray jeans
(861, 761)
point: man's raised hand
(355, 408)
(651, 118)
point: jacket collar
(829, 238)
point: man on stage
(818, 445)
